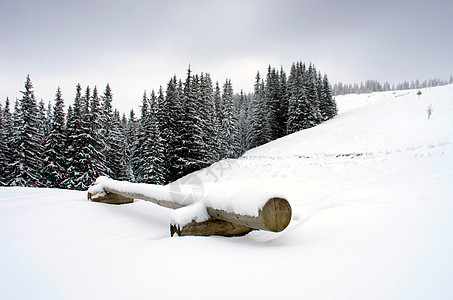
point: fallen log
(109, 198)
(274, 215)
(208, 228)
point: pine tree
(108, 137)
(137, 149)
(93, 161)
(86, 161)
(209, 119)
(311, 109)
(3, 151)
(282, 118)
(194, 152)
(115, 157)
(219, 117)
(297, 101)
(244, 122)
(55, 162)
(272, 104)
(152, 146)
(175, 125)
(129, 144)
(258, 116)
(163, 120)
(26, 166)
(74, 141)
(230, 146)
(7, 133)
(331, 107)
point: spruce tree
(3, 151)
(282, 117)
(209, 119)
(115, 157)
(138, 146)
(331, 105)
(175, 125)
(93, 159)
(74, 141)
(27, 165)
(152, 146)
(163, 121)
(129, 144)
(258, 115)
(230, 146)
(219, 117)
(272, 104)
(54, 150)
(194, 152)
(297, 102)
(108, 137)
(244, 122)
(7, 129)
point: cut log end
(276, 214)
(109, 198)
(208, 228)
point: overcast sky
(138, 45)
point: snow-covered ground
(372, 199)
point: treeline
(190, 125)
(376, 86)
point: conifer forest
(180, 128)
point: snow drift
(372, 203)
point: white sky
(138, 45)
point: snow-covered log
(270, 213)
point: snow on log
(274, 216)
(252, 208)
(147, 192)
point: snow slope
(372, 199)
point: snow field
(372, 203)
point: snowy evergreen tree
(258, 115)
(137, 149)
(93, 159)
(282, 117)
(244, 122)
(330, 104)
(297, 99)
(311, 108)
(114, 159)
(129, 143)
(26, 166)
(230, 144)
(151, 160)
(54, 149)
(219, 116)
(110, 135)
(163, 120)
(74, 141)
(175, 142)
(7, 135)
(272, 104)
(3, 151)
(194, 150)
(209, 119)
(84, 156)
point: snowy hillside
(372, 199)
